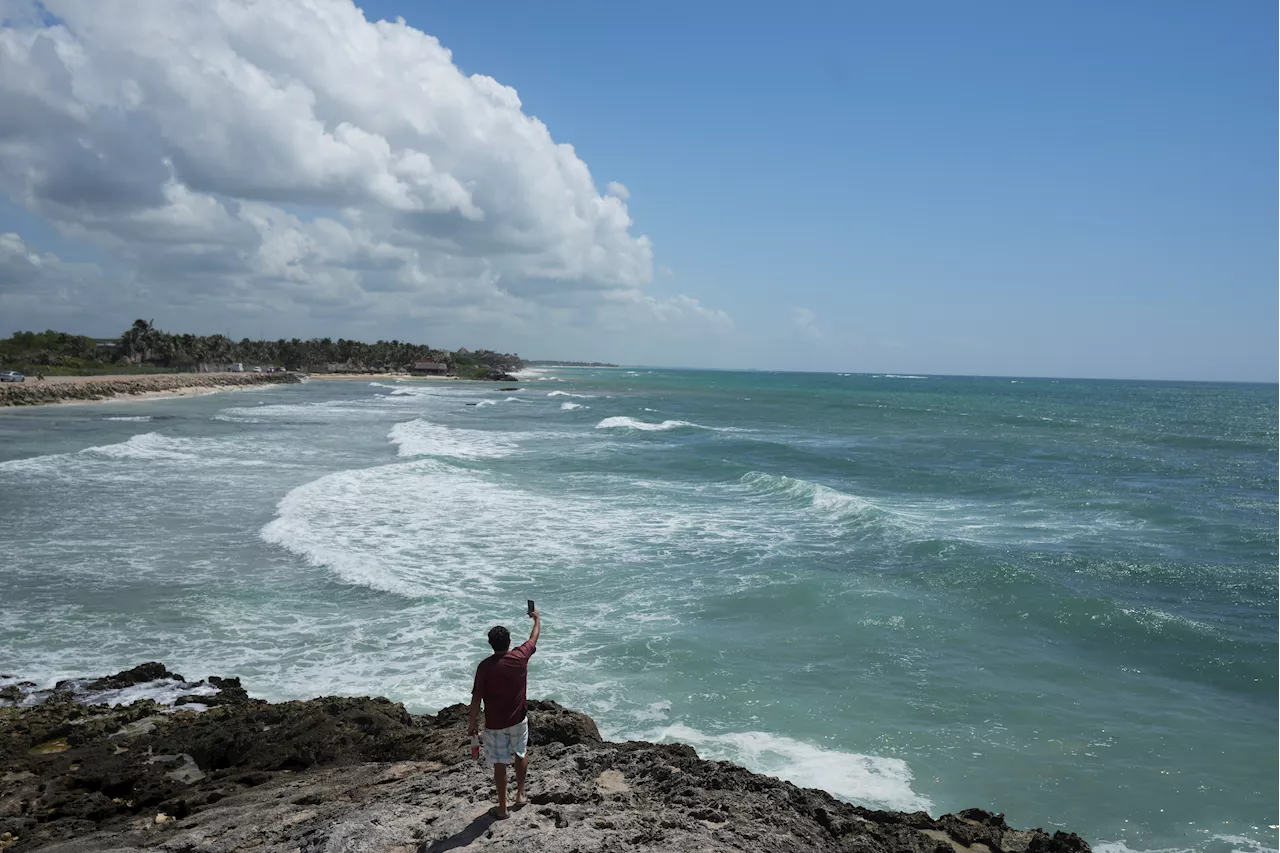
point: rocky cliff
(35, 393)
(359, 774)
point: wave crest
(624, 422)
(419, 437)
(830, 502)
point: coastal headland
(84, 389)
(219, 771)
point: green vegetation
(545, 363)
(145, 349)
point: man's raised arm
(537, 627)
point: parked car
(11, 376)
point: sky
(1083, 189)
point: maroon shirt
(500, 682)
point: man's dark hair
(499, 638)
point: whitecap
(145, 447)
(420, 437)
(148, 445)
(297, 412)
(567, 394)
(624, 422)
(130, 418)
(569, 407)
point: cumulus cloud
(273, 155)
(803, 323)
(42, 285)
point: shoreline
(373, 377)
(213, 768)
(77, 390)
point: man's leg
(522, 766)
(500, 780)
(520, 755)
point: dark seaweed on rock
(347, 774)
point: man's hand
(473, 715)
(533, 614)
(537, 627)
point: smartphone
(531, 607)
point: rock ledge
(340, 774)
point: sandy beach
(371, 377)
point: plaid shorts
(501, 744)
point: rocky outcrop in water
(362, 774)
(35, 393)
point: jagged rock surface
(360, 774)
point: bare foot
(519, 802)
(499, 814)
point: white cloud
(260, 157)
(42, 285)
(804, 325)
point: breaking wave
(148, 445)
(867, 780)
(624, 422)
(419, 437)
(828, 501)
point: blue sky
(1082, 189)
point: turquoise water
(1057, 599)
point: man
(500, 684)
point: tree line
(142, 345)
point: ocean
(1056, 599)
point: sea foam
(148, 446)
(162, 691)
(864, 779)
(423, 438)
(624, 422)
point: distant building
(463, 351)
(429, 368)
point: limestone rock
(341, 775)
